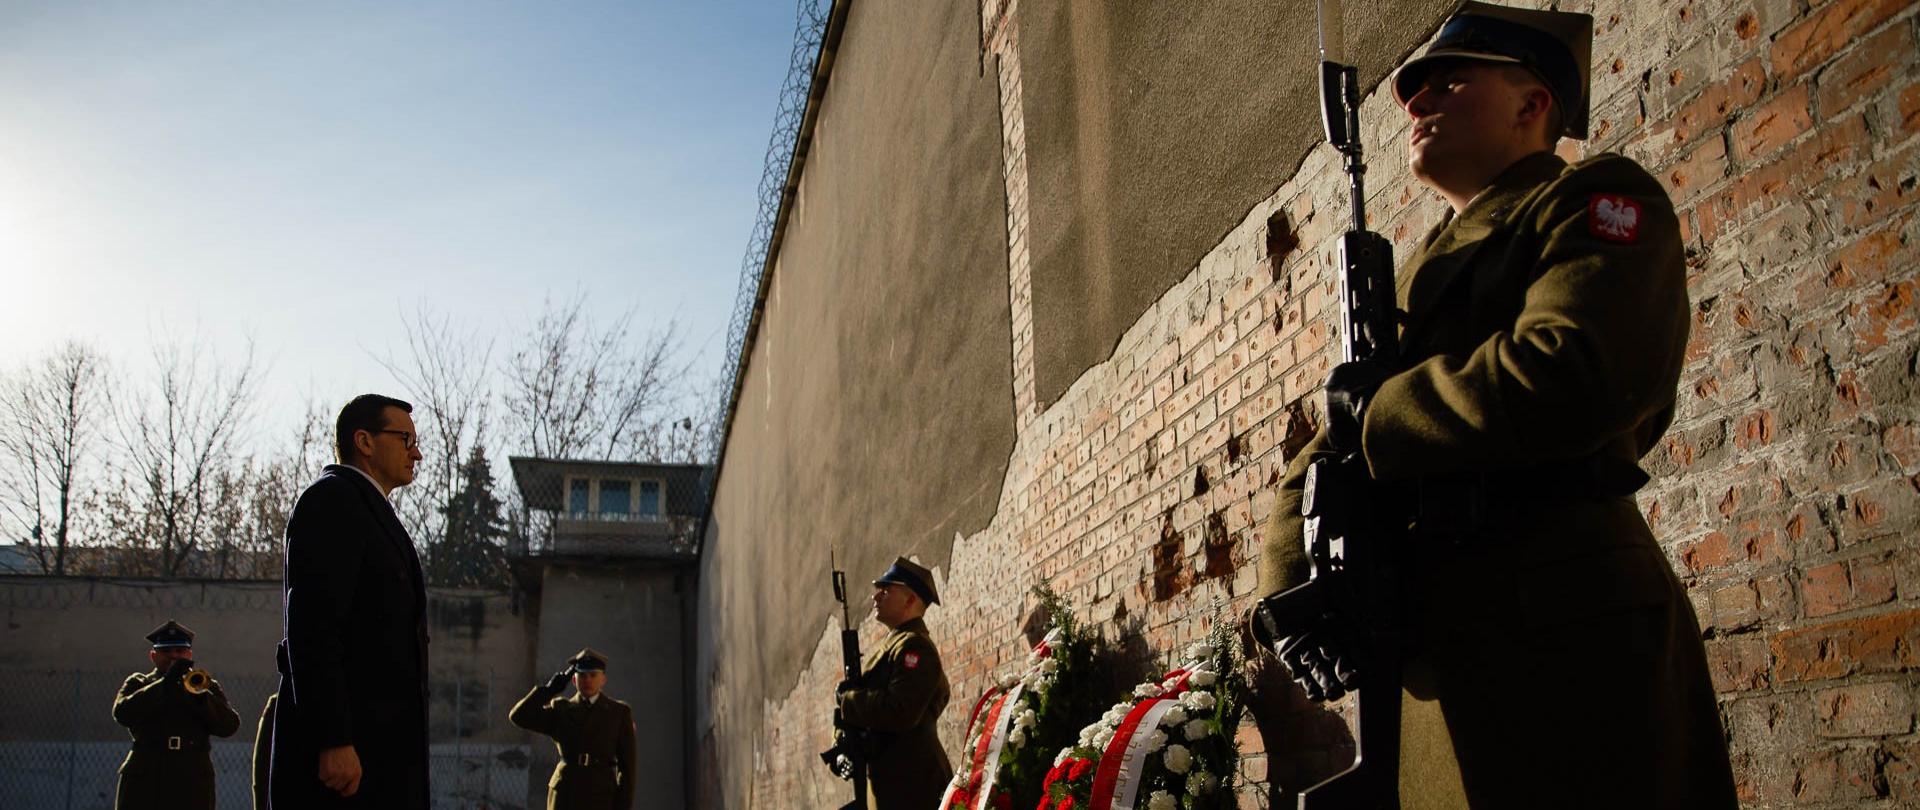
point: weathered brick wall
(1787, 493)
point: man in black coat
(350, 724)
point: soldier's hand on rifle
(1320, 662)
(1349, 388)
(558, 682)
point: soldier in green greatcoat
(171, 764)
(1553, 658)
(594, 732)
(899, 696)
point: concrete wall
(56, 625)
(68, 643)
(1787, 493)
(635, 616)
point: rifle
(848, 756)
(1354, 587)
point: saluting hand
(559, 680)
(340, 770)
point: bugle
(197, 681)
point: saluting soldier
(171, 764)
(594, 733)
(900, 694)
(1553, 657)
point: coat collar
(1450, 247)
(383, 511)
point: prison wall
(1786, 494)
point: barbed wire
(810, 26)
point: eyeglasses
(411, 443)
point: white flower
(1199, 651)
(1148, 690)
(1161, 800)
(1196, 730)
(1027, 719)
(1174, 716)
(1018, 736)
(1156, 739)
(1049, 665)
(1100, 740)
(1200, 784)
(1008, 680)
(1178, 758)
(1203, 679)
(1087, 734)
(1057, 759)
(1197, 701)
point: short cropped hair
(1521, 76)
(366, 412)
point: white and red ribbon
(982, 763)
(1116, 782)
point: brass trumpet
(197, 681)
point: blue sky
(305, 173)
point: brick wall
(1787, 492)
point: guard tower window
(649, 499)
(579, 497)
(616, 499)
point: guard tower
(605, 557)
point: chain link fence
(62, 750)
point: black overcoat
(353, 663)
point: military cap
(170, 635)
(913, 575)
(587, 660)
(1555, 45)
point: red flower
(1065, 804)
(1080, 767)
(1054, 775)
(1002, 801)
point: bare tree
(575, 389)
(255, 497)
(48, 420)
(448, 376)
(178, 442)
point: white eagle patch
(912, 659)
(1614, 218)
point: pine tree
(471, 553)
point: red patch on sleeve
(1614, 218)
(912, 659)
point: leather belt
(1469, 509)
(170, 744)
(589, 760)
